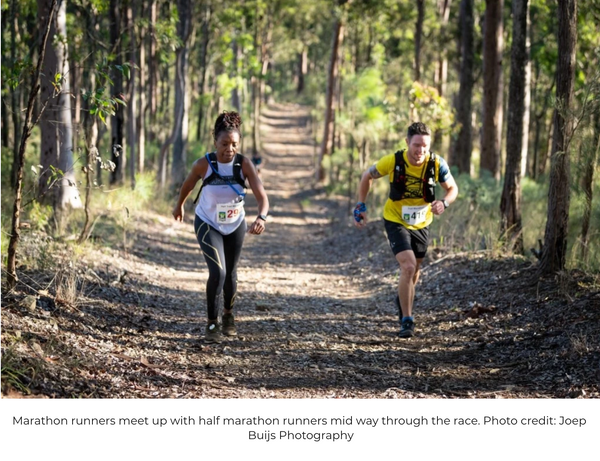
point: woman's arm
(258, 226)
(198, 171)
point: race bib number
(229, 212)
(414, 215)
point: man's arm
(451, 189)
(363, 190)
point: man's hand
(437, 207)
(360, 215)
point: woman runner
(220, 222)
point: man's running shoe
(229, 325)
(407, 328)
(212, 334)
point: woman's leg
(211, 243)
(233, 249)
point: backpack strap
(429, 179)
(237, 170)
(398, 184)
(212, 162)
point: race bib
(414, 215)
(229, 212)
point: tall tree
(117, 123)
(205, 40)
(464, 144)
(56, 122)
(180, 130)
(327, 141)
(493, 44)
(555, 239)
(131, 107)
(526, 96)
(15, 234)
(510, 203)
(419, 37)
(15, 103)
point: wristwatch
(263, 217)
(446, 204)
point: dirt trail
(314, 312)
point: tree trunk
(510, 203)
(338, 36)
(15, 103)
(131, 106)
(491, 137)
(11, 262)
(203, 65)
(526, 97)
(302, 68)
(555, 239)
(117, 122)
(464, 143)
(152, 71)
(56, 122)
(180, 132)
(588, 188)
(418, 37)
(140, 123)
(441, 73)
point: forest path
(314, 312)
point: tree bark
(57, 122)
(15, 105)
(302, 68)
(117, 121)
(203, 65)
(152, 71)
(587, 184)
(338, 36)
(527, 97)
(464, 143)
(140, 123)
(441, 74)
(132, 105)
(492, 88)
(418, 37)
(11, 262)
(510, 203)
(179, 134)
(555, 240)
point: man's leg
(409, 275)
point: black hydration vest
(398, 184)
(237, 172)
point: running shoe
(407, 328)
(229, 325)
(212, 334)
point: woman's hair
(227, 122)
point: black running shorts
(402, 239)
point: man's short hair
(418, 128)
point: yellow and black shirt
(412, 211)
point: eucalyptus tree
(493, 88)
(555, 239)
(510, 204)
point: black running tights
(222, 253)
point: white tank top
(219, 204)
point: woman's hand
(178, 213)
(257, 227)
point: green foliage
(99, 100)
(432, 107)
